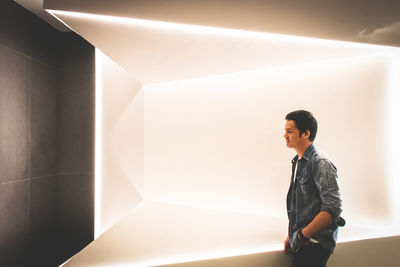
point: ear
(307, 134)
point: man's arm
(325, 178)
(322, 220)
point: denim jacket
(315, 189)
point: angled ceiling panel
(158, 51)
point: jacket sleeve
(326, 181)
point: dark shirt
(315, 189)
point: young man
(313, 200)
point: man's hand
(286, 245)
(322, 220)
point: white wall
(217, 141)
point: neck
(301, 149)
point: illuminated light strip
(57, 18)
(393, 110)
(209, 29)
(98, 143)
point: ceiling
(164, 40)
(370, 21)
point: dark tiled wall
(46, 141)
(75, 191)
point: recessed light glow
(393, 109)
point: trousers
(312, 255)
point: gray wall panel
(43, 212)
(77, 54)
(75, 218)
(15, 35)
(44, 87)
(46, 122)
(76, 122)
(14, 116)
(14, 223)
(45, 43)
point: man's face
(292, 135)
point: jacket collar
(306, 154)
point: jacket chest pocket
(305, 188)
(306, 184)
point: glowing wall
(217, 141)
(206, 159)
(119, 143)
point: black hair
(304, 120)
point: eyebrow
(289, 129)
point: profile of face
(292, 135)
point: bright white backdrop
(198, 168)
(190, 158)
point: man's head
(301, 128)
